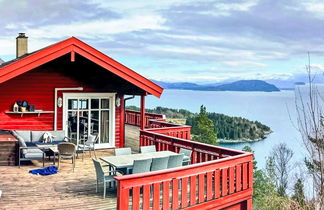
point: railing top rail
(196, 143)
(208, 165)
(166, 123)
(168, 128)
(151, 114)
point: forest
(225, 127)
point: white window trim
(112, 129)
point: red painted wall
(37, 87)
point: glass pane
(94, 127)
(104, 129)
(72, 104)
(94, 103)
(83, 103)
(72, 125)
(104, 103)
(83, 124)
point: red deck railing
(217, 177)
(134, 117)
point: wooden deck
(65, 190)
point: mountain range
(241, 85)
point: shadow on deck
(65, 190)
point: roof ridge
(29, 61)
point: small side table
(51, 148)
(8, 150)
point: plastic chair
(103, 177)
(123, 151)
(175, 161)
(66, 150)
(159, 163)
(88, 145)
(187, 156)
(146, 149)
(141, 166)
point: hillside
(241, 85)
(247, 85)
(228, 129)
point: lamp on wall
(117, 101)
(59, 102)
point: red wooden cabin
(73, 87)
(76, 88)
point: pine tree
(299, 194)
(205, 128)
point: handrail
(134, 117)
(217, 177)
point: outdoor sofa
(28, 141)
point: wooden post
(142, 112)
(122, 121)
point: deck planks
(65, 190)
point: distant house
(69, 86)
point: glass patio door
(89, 115)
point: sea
(274, 109)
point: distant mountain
(178, 85)
(241, 85)
(248, 85)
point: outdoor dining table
(127, 161)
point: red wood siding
(37, 87)
(118, 130)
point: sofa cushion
(24, 134)
(30, 144)
(21, 141)
(58, 135)
(34, 150)
(37, 136)
(34, 155)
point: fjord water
(274, 109)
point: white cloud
(317, 68)
(244, 63)
(100, 28)
(315, 8)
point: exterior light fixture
(117, 101)
(59, 102)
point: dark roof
(14, 60)
(1, 61)
(3, 64)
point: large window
(89, 114)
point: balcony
(218, 178)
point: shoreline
(232, 141)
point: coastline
(232, 141)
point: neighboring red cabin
(71, 86)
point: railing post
(122, 196)
(143, 112)
(249, 204)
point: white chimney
(21, 45)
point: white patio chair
(146, 149)
(187, 156)
(159, 163)
(175, 161)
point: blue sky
(180, 40)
